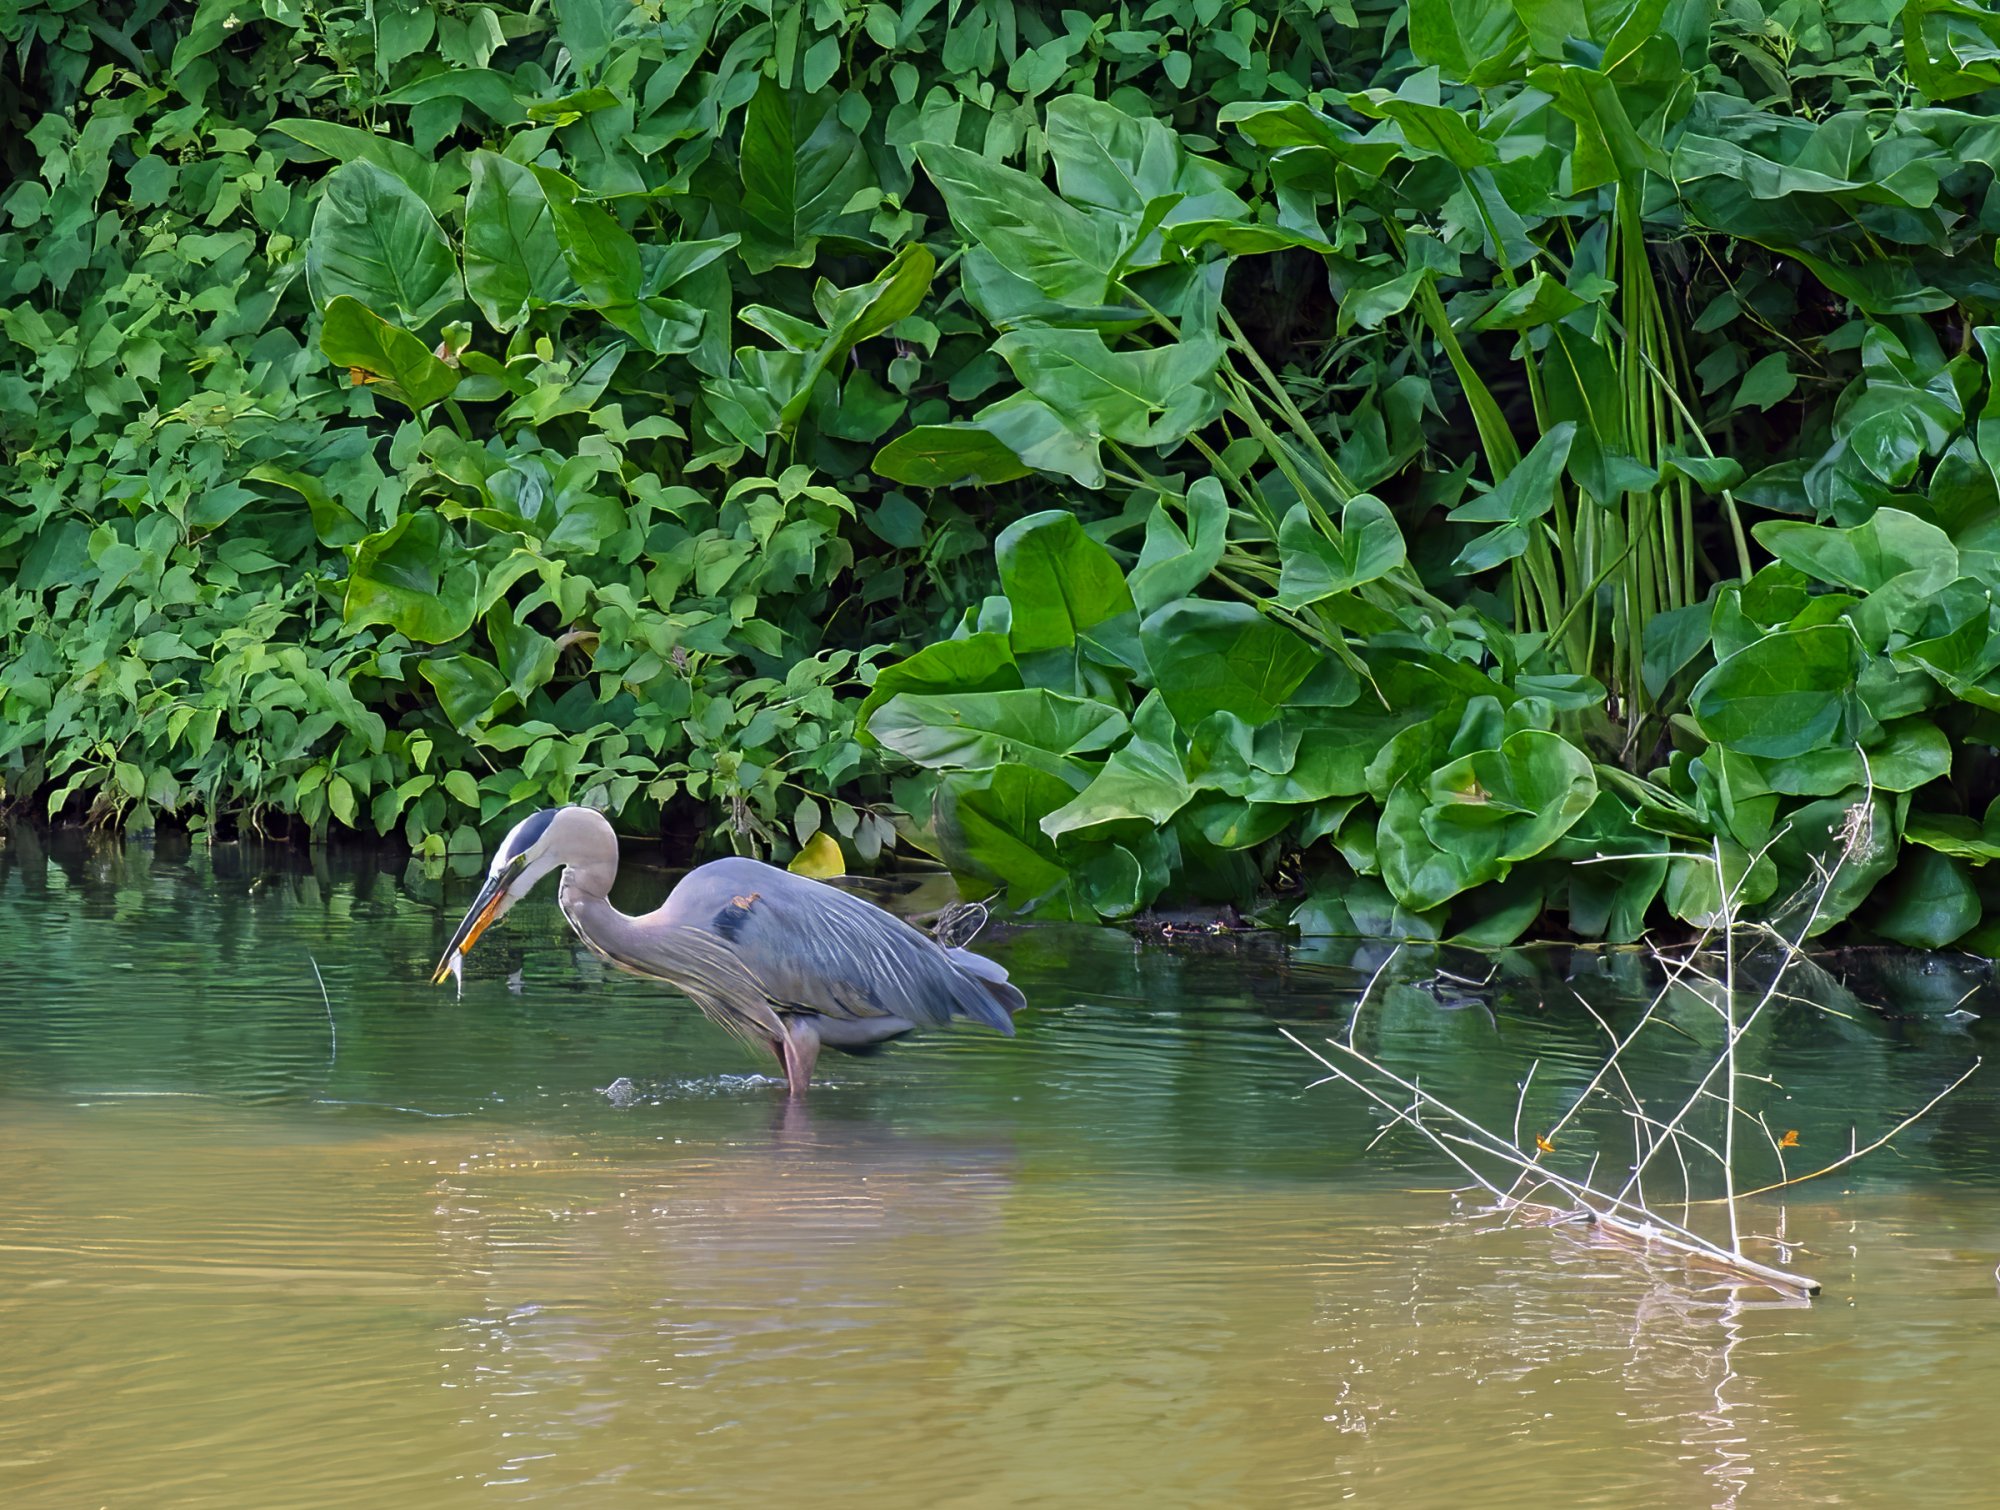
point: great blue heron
(783, 962)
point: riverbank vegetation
(1372, 455)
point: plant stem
(1729, 1017)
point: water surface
(383, 1246)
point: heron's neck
(609, 932)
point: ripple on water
(382, 1246)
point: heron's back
(820, 949)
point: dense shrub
(1390, 451)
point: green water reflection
(387, 1246)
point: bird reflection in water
(817, 1245)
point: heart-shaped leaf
(513, 260)
(374, 240)
(801, 166)
(1174, 562)
(1315, 565)
(415, 577)
(1059, 580)
(1208, 657)
(1781, 695)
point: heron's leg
(801, 1051)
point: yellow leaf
(820, 858)
(1544, 1144)
(1790, 1139)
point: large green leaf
(1912, 753)
(1619, 27)
(349, 144)
(1953, 834)
(1118, 879)
(1329, 752)
(1315, 565)
(1473, 41)
(942, 456)
(1012, 438)
(1429, 128)
(1699, 157)
(1511, 803)
(1108, 160)
(989, 825)
(1542, 300)
(1043, 438)
(1608, 147)
(487, 90)
(1148, 396)
(415, 577)
(601, 255)
(1143, 780)
(513, 261)
(1524, 495)
(1064, 252)
(1849, 839)
(1930, 902)
(1418, 873)
(525, 656)
(466, 686)
(1346, 906)
(1888, 545)
(374, 240)
(1672, 639)
(1292, 123)
(1059, 580)
(852, 315)
(335, 522)
(1951, 48)
(1609, 898)
(1957, 641)
(1469, 41)
(977, 731)
(978, 663)
(1135, 169)
(800, 168)
(1209, 657)
(1782, 695)
(385, 356)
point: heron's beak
(491, 902)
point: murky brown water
(412, 1256)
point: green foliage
(1377, 664)
(1394, 450)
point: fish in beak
(494, 899)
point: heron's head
(538, 844)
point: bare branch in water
(1855, 1152)
(1367, 990)
(332, 1033)
(1627, 1214)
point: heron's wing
(821, 949)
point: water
(262, 1247)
